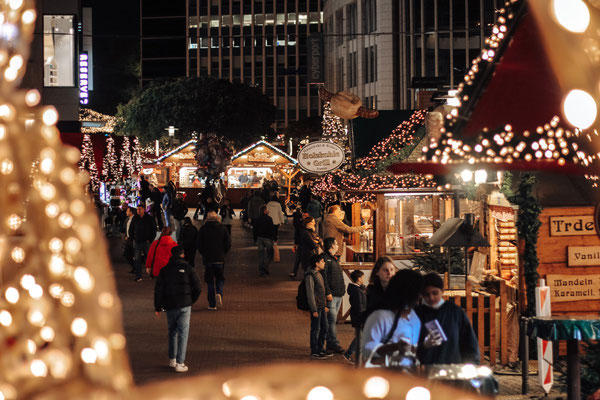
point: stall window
(59, 50)
(189, 179)
(248, 177)
(410, 221)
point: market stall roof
(512, 99)
(178, 149)
(262, 153)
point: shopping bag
(276, 253)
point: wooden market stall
(260, 161)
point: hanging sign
(321, 157)
(583, 256)
(572, 225)
(573, 287)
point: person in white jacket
(276, 213)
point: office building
(258, 42)
(387, 51)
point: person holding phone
(460, 346)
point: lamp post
(171, 129)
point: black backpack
(302, 298)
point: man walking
(143, 231)
(128, 250)
(264, 235)
(213, 243)
(334, 279)
(334, 226)
(177, 288)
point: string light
(136, 156)
(125, 162)
(110, 166)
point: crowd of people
(400, 317)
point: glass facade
(59, 50)
(260, 43)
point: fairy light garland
(88, 115)
(370, 176)
(87, 162)
(110, 165)
(550, 142)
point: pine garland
(87, 162)
(528, 225)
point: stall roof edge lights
(270, 146)
(175, 150)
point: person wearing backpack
(316, 296)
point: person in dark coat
(334, 279)
(156, 197)
(128, 250)
(177, 288)
(358, 305)
(227, 213)
(210, 205)
(213, 243)
(310, 243)
(144, 188)
(264, 237)
(187, 240)
(316, 294)
(143, 231)
(462, 346)
(254, 205)
(383, 270)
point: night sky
(116, 52)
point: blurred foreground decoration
(60, 317)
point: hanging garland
(87, 162)
(528, 225)
(371, 174)
(125, 163)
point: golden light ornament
(72, 245)
(79, 327)
(84, 280)
(57, 265)
(52, 210)
(36, 292)
(31, 347)
(418, 393)
(65, 220)
(12, 295)
(50, 116)
(88, 355)
(5, 318)
(6, 166)
(27, 281)
(36, 317)
(77, 207)
(376, 387)
(14, 222)
(572, 15)
(580, 109)
(55, 245)
(28, 18)
(56, 290)
(38, 368)
(101, 348)
(46, 165)
(47, 334)
(67, 299)
(319, 393)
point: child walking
(358, 304)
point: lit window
(59, 50)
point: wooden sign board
(583, 256)
(572, 225)
(573, 287)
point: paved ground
(258, 324)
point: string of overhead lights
(369, 176)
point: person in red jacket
(160, 252)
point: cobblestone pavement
(258, 324)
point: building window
(59, 50)
(369, 11)
(340, 73)
(351, 20)
(352, 70)
(369, 63)
(339, 26)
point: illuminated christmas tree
(125, 163)
(87, 162)
(136, 157)
(335, 131)
(110, 163)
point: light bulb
(573, 15)
(376, 387)
(580, 109)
